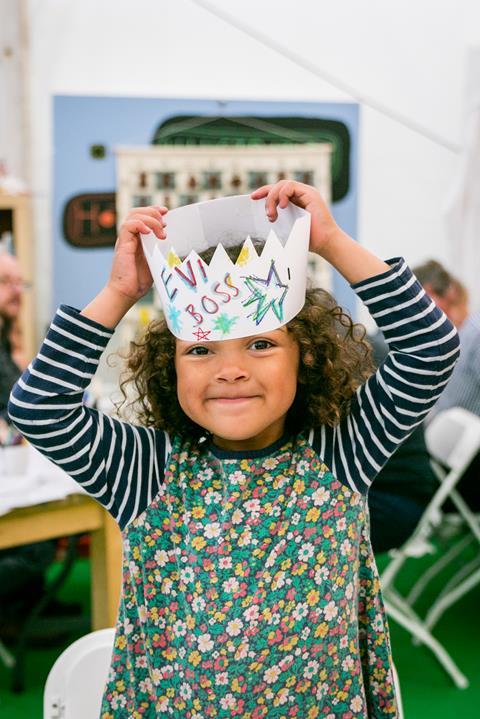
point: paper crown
(223, 299)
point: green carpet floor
(426, 690)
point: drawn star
(201, 334)
(174, 318)
(268, 293)
(224, 324)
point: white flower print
(198, 604)
(228, 701)
(119, 701)
(141, 661)
(253, 506)
(270, 463)
(378, 623)
(234, 627)
(349, 591)
(222, 679)
(311, 669)
(167, 585)
(127, 626)
(348, 663)
(161, 557)
(341, 524)
(345, 547)
(300, 611)
(213, 498)
(205, 643)
(237, 516)
(271, 674)
(295, 518)
(302, 467)
(321, 575)
(225, 562)
(146, 686)
(330, 611)
(134, 569)
(251, 614)
(242, 651)
(213, 530)
(179, 628)
(187, 575)
(283, 696)
(320, 496)
(206, 473)
(237, 477)
(231, 585)
(356, 704)
(306, 551)
(156, 675)
(245, 538)
(185, 691)
(305, 633)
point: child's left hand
(323, 226)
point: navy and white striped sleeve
(118, 464)
(423, 350)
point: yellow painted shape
(243, 257)
(173, 259)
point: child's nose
(231, 371)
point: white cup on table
(14, 460)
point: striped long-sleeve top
(122, 466)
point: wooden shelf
(21, 228)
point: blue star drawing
(174, 318)
(269, 293)
(224, 324)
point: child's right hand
(130, 276)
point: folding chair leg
(445, 601)
(417, 629)
(6, 657)
(436, 568)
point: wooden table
(75, 514)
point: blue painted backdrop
(82, 121)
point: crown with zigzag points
(222, 299)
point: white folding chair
(76, 682)
(453, 440)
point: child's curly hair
(335, 359)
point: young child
(249, 587)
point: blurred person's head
(459, 304)
(444, 289)
(11, 287)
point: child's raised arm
(130, 278)
(117, 463)
(423, 346)
(327, 239)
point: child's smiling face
(240, 390)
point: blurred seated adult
(463, 389)
(22, 569)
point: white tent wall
(410, 56)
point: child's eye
(198, 351)
(261, 345)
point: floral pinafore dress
(250, 590)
